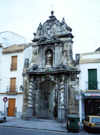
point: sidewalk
(40, 124)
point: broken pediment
(52, 28)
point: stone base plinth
(30, 112)
(61, 114)
(47, 66)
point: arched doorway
(46, 99)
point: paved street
(25, 131)
(15, 126)
(42, 124)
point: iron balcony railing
(13, 66)
(92, 85)
(11, 89)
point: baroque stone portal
(50, 80)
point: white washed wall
(28, 53)
(84, 73)
(9, 38)
(7, 74)
(0, 67)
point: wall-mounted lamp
(21, 88)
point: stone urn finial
(52, 12)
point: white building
(13, 58)
(8, 38)
(13, 53)
(89, 84)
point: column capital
(30, 79)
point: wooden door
(12, 84)
(92, 79)
(11, 107)
(14, 62)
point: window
(92, 79)
(95, 120)
(14, 63)
(12, 84)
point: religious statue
(49, 58)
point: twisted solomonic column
(61, 92)
(30, 96)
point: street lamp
(21, 88)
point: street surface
(24, 131)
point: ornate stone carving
(51, 57)
(40, 30)
(35, 66)
(26, 63)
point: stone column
(61, 112)
(30, 99)
(61, 92)
(37, 102)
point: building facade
(11, 79)
(51, 79)
(89, 85)
(12, 59)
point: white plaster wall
(9, 38)
(0, 67)
(28, 53)
(7, 74)
(84, 74)
(92, 56)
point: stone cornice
(0, 45)
(54, 72)
(11, 93)
(90, 61)
(86, 58)
(13, 49)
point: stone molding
(13, 49)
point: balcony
(13, 66)
(11, 90)
(92, 85)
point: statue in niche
(49, 58)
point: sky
(83, 16)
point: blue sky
(83, 16)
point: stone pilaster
(37, 101)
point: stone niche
(50, 81)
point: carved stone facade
(50, 80)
